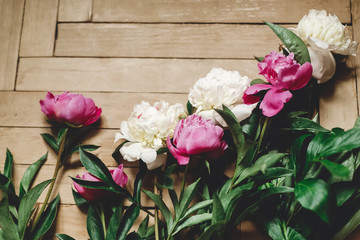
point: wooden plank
(355, 13)
(22, 109)
(11, 13)
(338, 102)
(75, 10)
(205, 11)
(38, 34)
(32, 146)
(121, 75)
(165, 40)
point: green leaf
(97, 168)
(193, 220)
(8, 227)
(47, 219)
(357, 123)
(162, 207)
(346, 141)
(94, 224)
(274, 173)
(292, 42)
(138, 181)
(313, 194)
(51, 141)
(64, 237)
(235, 129)
(92, 184)
(62, 132)
(215, 228)
(218, 213)
(260, 165)
(257, 81)
(349, 227)
(8, 164)
(343, 191)
(143, 226)
(296, 161)
(175, 202)
(116, 154)
(30, 174)
(335, 168)
(259, 59)
(259, 197)
(196, 207)
(79, 200)
(114, 223)
(300, 124)
(85, 147)
(188, 196)
(189, 107)
(275, 230)
(27, 204)
(128, 220)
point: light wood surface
(123, 52)
(75, 10)
(38, 33)
(205, 11)
(11, 13)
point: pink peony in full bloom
(72, 109)
(195, 135)
(284, 74)
(90, 194)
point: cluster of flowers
(200, 131)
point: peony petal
(120, 176)
(131, 151)
(274, 101)
(323, 63)
(159, 162)
(295, 76)
(181, 158)
(249, 97)
(148, 155)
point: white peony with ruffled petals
(146, 131)
(220, 87)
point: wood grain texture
(38, 32)
(205, 11)
(355, 13)
(22, 109)
(165, 40)
(121, 75)
(337, 103)
(11, 14)
(75, 10)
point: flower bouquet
(244, 150)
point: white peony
(325, 32)
(147, 129)
(220, 87)
(323, 63)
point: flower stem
(183, 182)
(55, 174)
(102, 216)
(262, 134)
(156, 213)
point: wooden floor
(120, 52)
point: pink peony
(284, 74)
(90, 194)
(72, 109)
(196, 135)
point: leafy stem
(262, 134)
(102, 216)
(56, 171)
(183, 182)
(156, 213)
